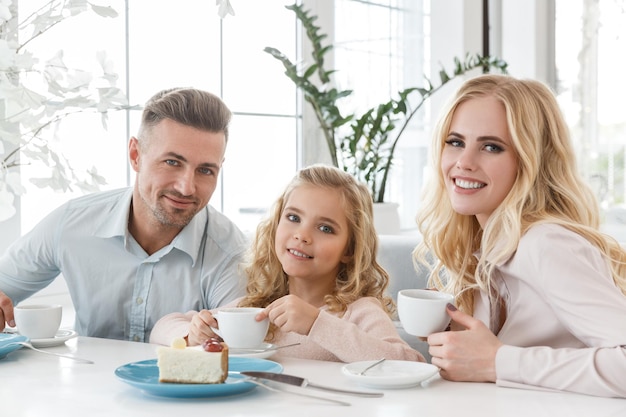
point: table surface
(34, 384)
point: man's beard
(179, 218)
(169, 219)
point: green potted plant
(363, 145)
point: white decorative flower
(7, 210)
(225, 8)
(5, 13)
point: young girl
(514, 231)
(313, 268)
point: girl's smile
(312, 234)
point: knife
(302, 382)
(256, 381)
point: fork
(30, 346)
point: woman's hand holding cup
(423, 312)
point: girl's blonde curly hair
(361, 276)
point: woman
(513, 231)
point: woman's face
(478, 162)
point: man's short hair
(189, 106)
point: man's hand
(291, 314)
(6, 311)
(465, 355)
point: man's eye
(171, 162)
(206, 171)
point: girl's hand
(465, 355)
(200, 328)
(291, 314)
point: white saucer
(61, 337)
(390, 374)
(243, 353)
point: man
(131, 256)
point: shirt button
(139, 300)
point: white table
(37, 385)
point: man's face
(177, 169)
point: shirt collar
(118, 218)
(188, 240)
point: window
(156, 45)
(383, 53)
(81, 137)
(381, 46)
(590, 40)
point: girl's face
(312, 235)
(479, 163)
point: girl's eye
(293, 218)
(326, 229)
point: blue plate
(7, 341)
(145, 376)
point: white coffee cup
(238, 327)
(423, 312)
(38, 321)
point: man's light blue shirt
(118, 290)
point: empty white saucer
(390, 374)
(61, 337)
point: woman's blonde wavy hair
(547, 189)
(362, 276)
